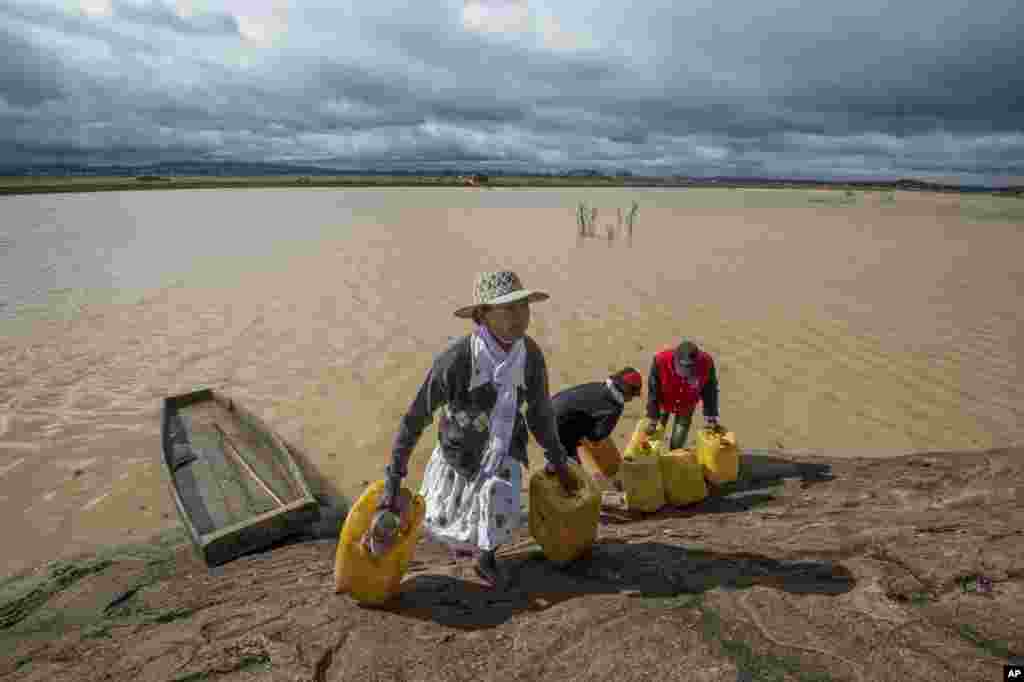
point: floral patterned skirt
(476, 513)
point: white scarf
(506, 371)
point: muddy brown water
(870, 328)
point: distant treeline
(165, 172)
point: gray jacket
(463, 427)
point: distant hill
(197, 168)
(155, 171)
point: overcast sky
(817, 88)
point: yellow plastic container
(375, 579)
(683, 478)
(642, 483)
(641, 444)
(565, 526)
(718, 454)
(602, 457)
(659, 431)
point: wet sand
(863, 329)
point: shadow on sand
(761, 469)
(645, 569)
(649, 570)
(759, 472)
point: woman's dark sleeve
(606, 423)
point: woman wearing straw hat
(473, 480)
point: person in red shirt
(680, 378)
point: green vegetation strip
(847, 198)
(52, 184)
(994, 208)
(20, 601)
(21, 596)
(192, 677)
(43, 185)
(993, 647)
(757, 667)
(920, 598)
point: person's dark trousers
(680, 430)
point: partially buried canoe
(234, 482)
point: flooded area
(869, 327)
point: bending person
(592, 410)
(679, 379)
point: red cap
(633, 379)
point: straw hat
(497, 288)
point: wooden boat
(235, 484)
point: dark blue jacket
(586, 411)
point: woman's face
(508, 323)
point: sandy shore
(845, 570)
(861, 328)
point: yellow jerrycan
(683, 477)
(601, 457)
(641, 471)
(368, 578)
(565, 526)
(718, 453)
(642, 484)
(642, 444)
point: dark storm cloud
(907, 68)
(28, 76)
(483, 62)
(392, 91)
(761, 87)
(482, 112)
(977, 90)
